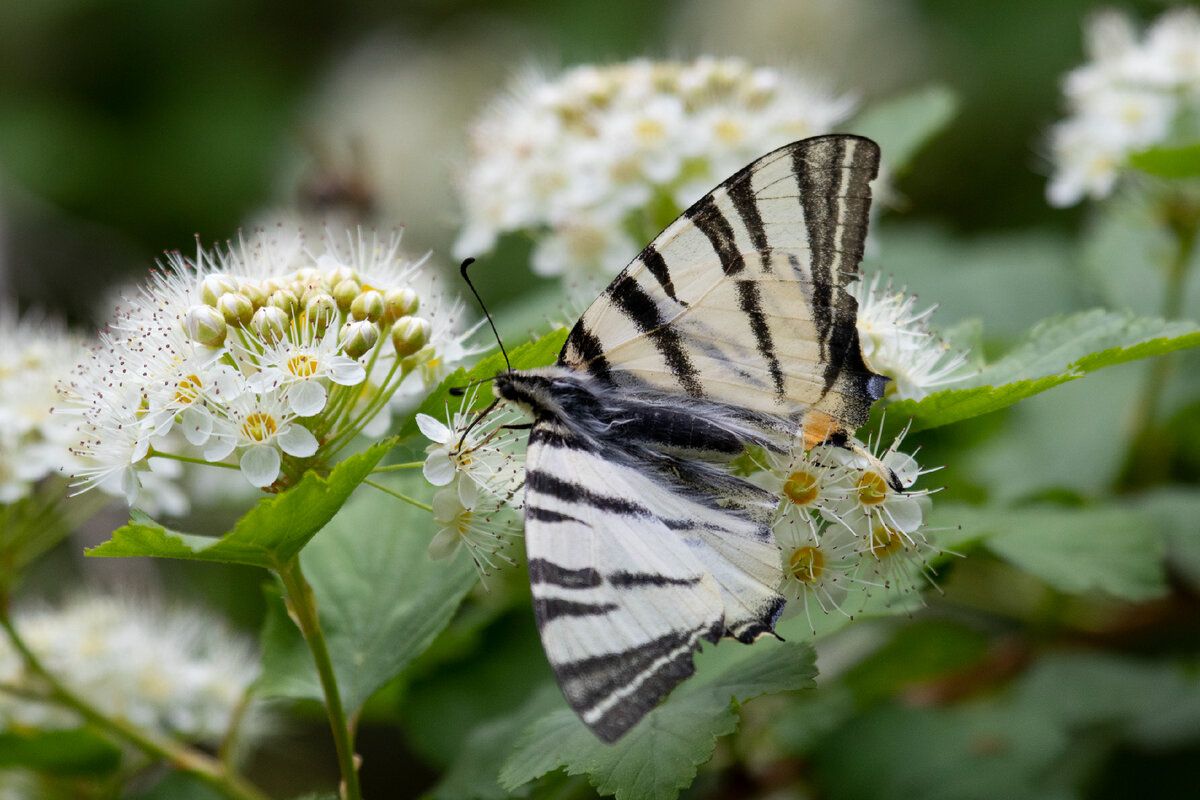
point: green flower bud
(357, 337)
(213, 286)
(409, 335)
(270, 323)
(284, 299)
(205, 325)
(368, 305)
(341, 274)
(344, 292)
(320, 311)
(258, 297)
(400, 302)
(236, 308)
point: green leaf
(1054, 352)
(66, 752)
(1175, 512)
(268, 535)
(532, 354)
(182, 786)
(977, 752)
(659, 757)
(1075, 550)
(1155, 703)
(380, 598)
(1169, 162)
(901, 126)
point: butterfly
(733, 328)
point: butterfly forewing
(742, 299)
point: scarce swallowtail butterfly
(732, 328)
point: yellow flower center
(188, 389)
(806, 564)
(872, 489)
(729, 132)
(650, 130)
(801, 488)
(259, 427)
(302, 365)
(885, 541)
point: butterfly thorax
(578, 410)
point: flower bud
(368, 305)
(344, 292)
(409, 335)
(357, 337)
(213, 286)
(270, 323)
(258, 297)
(342, 274)
(272, 285)
(236, 308)
(320, 311)
(205, 325)
(284, 299)
(400, 302)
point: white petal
(903, 512)
(346, 371)
(445, 544)
(197, 426)
(905, 466)
(306, 398)
(260, 464)
(219, 447)
(468, 493)
(433, 429)
(438, 469)
(297, 440)
(446, 506)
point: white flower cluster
(595, 162)
(846, 517)
(175, 672)
(264, 352)
(480, 465)
(35, 354)
(897, 341)
(1132, 95)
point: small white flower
(879, 489)
(472, 519)
(477, 451)
(898, 343)
(299, 369)
(259, 426)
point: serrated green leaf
(1054, 352)
(380, 598)
(268, 535)
(1169, 162)
(659, 756)
(1075, 550)
(1175, 512)
(67, 752)
(901, 126)
(532, 354)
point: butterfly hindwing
(634, 558)
(743, 298)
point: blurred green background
(128, 126)
(131, 126)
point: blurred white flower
(173, 671)
(1129, 97)
(898, 343)
(268, 352)
(598, 159)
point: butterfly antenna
(463, 269)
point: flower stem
(1150, 453)
(395, 467)
(410, 500)
(303, 606)
(154, 744)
